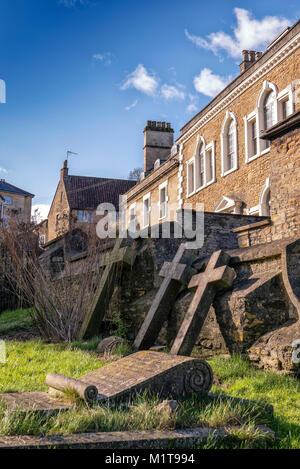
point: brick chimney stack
(249, 57)
(158, 141)
(64, 172)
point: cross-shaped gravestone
(217, 275)
(176, 274)
(118, 256)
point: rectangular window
(132, 219)
(201, 169)
(253, 138)
(85, 216)
(146, 211)
(191, 177)
(163, 198)
(209, 166)
(230, 151)
(284, 109)
(7, 200)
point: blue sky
(88, 74)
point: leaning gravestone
(119, 256)
(176, 274)
(216, 276)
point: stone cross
(176, 274)
(118, 256)
(216, 276)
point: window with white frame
(267, 114)
(201, 168)
(163, 200)
(285, 102)
(210, 165)
(132, 218)
(191, 176)
(251, 136)
(200, 179)
(229, 146)
(146, 210)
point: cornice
(257, 74)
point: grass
(29, 362)
(14, 321)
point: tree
(135, 174)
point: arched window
(267, 111)
(229, 145)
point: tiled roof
(6, 187)
(86, 193)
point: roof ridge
(15, 187)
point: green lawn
(29, 362)
(13, 321)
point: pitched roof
(86, 193)
(6, 187)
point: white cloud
(3, 170)
(131, 106)
(248, 34)
(141, 80)
(209, 83)
(41, 211)
(171, 92)
(105, 58)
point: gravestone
(118, 256)
(154, 372)
(176, 274)
(217, 275)
(147, 371)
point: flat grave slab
(39, 402)
(151, 439)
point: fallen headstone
(152, 372)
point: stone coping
(151, 439)
(252, 226)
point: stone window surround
(257, 114)
(230, 116)
(162, 186)
(211, 147)
(146, 197)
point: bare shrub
(60, 291)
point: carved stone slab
(155, 372)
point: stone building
(15, 204)
(220, 158)
(76, 200)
